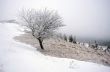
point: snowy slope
(19, 57)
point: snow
(19, 57)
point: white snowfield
(19, 57)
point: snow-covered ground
(19, 57)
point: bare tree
(42, 23)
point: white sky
(85, 18)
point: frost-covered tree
(42, 23)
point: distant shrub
(70, 38)
(65, 37)
(74, 39)
(96, 45)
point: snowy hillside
(19, 57)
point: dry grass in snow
(60, 48)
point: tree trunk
(32, 33)
(40, 42)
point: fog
(83, 18)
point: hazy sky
(85, 18)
